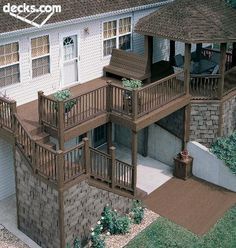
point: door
(69, 60)
(100, 135)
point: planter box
(183, 168)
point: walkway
(8, 220)
(193, 204)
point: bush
(96, 239)
(137, 212)
(114, 223)
(76, 244)
(225, 149)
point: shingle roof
(191, 21)
(71, 9)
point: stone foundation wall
(229, 116)
(83, 205)
(38, 208)
(204, 122)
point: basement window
(40, 53)
(117, 34)
(9, 64)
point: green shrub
(137, 212)
(76, 244)
(131, 83)
(96, 239)
(63, 95)
(225, 149)
(114, 223)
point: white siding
(7, 177)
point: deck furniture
(128, 65)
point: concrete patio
(151, 173)
(8, 219)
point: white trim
(61, 59)
(83, 19)
(42, 56)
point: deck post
(135, 103)
(60, 166)
(134, 159)
(112, 151)
(109, 136)
(187, 64)
(34, 156)
(187, 114)
(172, 53)
(40, 106)
(234, 55)
(12, 113)
(223, 48)
(148, 52)
(109, 96)
(61, 124)
(198, 52)
(86, 155)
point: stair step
(43, 137)
(51, 145)
(36, 131)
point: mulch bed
(8, 240)
(193, 204)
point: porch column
(109, 136)
(134, 158)
(187, 114)
(198, 52)
(148, 51)
(172, 53)
(187, 65)
(223, 48)
(234, 55)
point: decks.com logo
(37, 16)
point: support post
(187, 114)
(172, 53)
(86, 156)
(34, 157)
(12, 113)
(187, 65)
(60, 169)
(109, 96)
(148, 52)
(198, 52)
(135, 104)
(223, 48)
(112, 151)
(40, 106)
(134, 159)
(145, 142)
(234, 55)
(61, 125)
(109, 136)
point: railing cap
(112, 148)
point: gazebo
(195, 22)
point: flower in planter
(63, 95)
(184, 154)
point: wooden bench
(128, 65)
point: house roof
(191, 21)
(71, 9)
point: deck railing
(74, 165)
(108, 169)
(7, 111)
(159, 93)
(208, 52)
(204, 86)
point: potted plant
(63, 95)
(129, 85)
(184, 155)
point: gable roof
(191, 21)
(71, 10)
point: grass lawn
(165, 234)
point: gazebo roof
(191, 21)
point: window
(116, 34)
(9, 64)
(40, 53)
